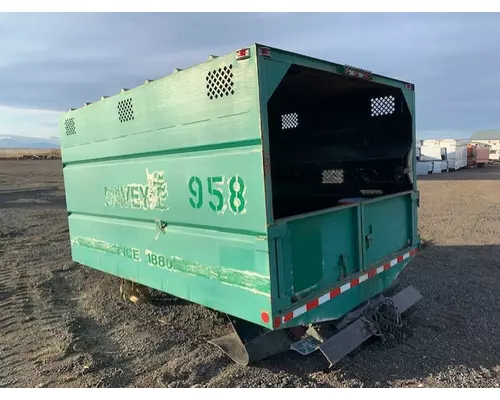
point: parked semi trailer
(456, 151)
(276, 188)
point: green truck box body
(171, 185)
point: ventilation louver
(220, 82)
(383, 106)
(70, 127)
(125, 110)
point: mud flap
(249, 343)
(352, 336)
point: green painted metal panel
(218, 189)
(387, 226)
(319, 253)
(271, 74)
(341, 305)
(170, 115)
(225, 271)
(286, 57)
(320, 250)
(409, 95)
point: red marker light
(265, 51)
(410, 86)
(242, 54)
(265, 317)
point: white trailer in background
(424, 167)
(494, 155)
(456, 151)
(437, 156)
(432, 153)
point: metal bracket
(355, 334)
(160, 227)
(249, 343)
(351, 330)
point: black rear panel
(334, 137)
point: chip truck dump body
(274, 187)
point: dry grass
(14, 153)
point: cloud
(28, 122)
(56, 61)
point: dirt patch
(63, 325)
(8, 153)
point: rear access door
(319, 250)
(388, 226)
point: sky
(52, 62)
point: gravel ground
(63, 325)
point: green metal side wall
(165, 187)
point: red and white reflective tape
(341, 289)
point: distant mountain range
(27, 142)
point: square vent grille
(289, 121)
(125, 110)
(332, 176)
(383, 106)
(220, 82)
(69, 126)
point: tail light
(264, 51)
(242, 54)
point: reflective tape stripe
(316, 302)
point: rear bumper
(288, 317)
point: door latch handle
(342, 266)
(369, 237)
